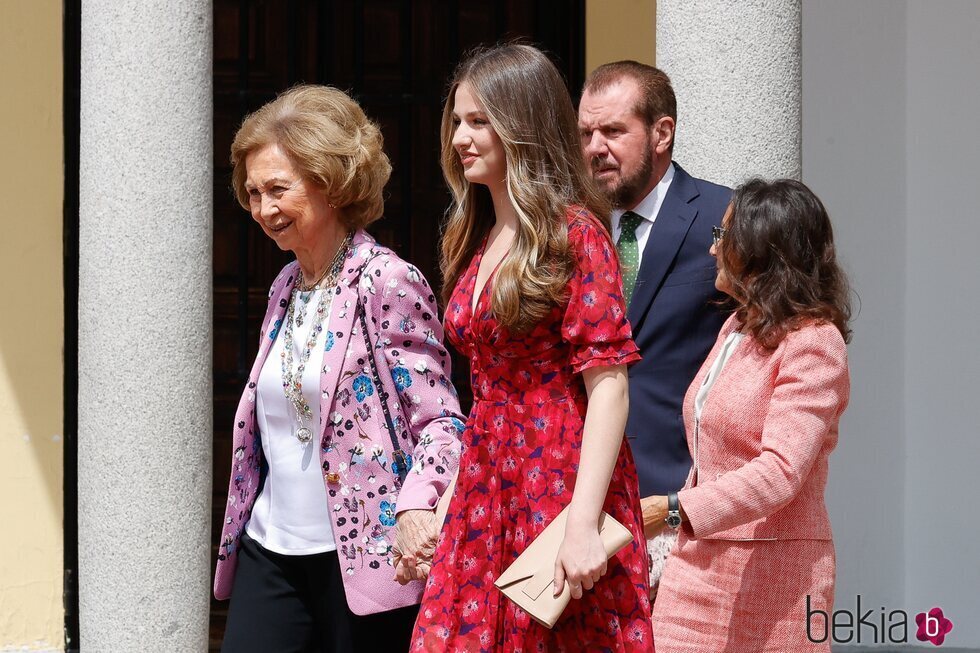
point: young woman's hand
(581, 560)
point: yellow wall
(620, 29)
(31, 326)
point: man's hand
(654, 514)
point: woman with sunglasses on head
(534, 299)
(755, 550)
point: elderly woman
(349, 424)
(755, 547)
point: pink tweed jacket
(356, 452)
(766, 431)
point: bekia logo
(874, 627)
(933, 626)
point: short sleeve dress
(517, 472)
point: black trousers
(296, 604)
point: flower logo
(933, 626)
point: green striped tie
(629, 252)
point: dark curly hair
(778, 250)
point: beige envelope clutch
(529, 581)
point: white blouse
(729, 346)
(290, 515)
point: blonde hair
(528, 106)
(331, 142)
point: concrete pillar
(144, 321)
(736, 69)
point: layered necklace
(292, 380)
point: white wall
(853, 158)
(942, 311)
(890, 109)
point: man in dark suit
(661, 224)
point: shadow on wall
(31, 329)
(31, 375)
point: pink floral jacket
(359, 470)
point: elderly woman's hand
(415, 542)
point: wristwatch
(673, 511)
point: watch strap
(673, 510)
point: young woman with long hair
(534, 299)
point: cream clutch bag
(529, 581)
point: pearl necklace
(292, 380)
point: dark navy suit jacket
(676, 319)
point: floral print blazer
(359, 471)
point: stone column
(736, 69)
(144, 325)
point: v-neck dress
(518, 468)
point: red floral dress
(518, 467)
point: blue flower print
(387, 516)
(330, 340)
(458, 424)
(396, 467)
(275, 330)
(363, 388)
(402, 377)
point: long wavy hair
(527, 104)
(778, 251)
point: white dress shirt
(648, 208)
